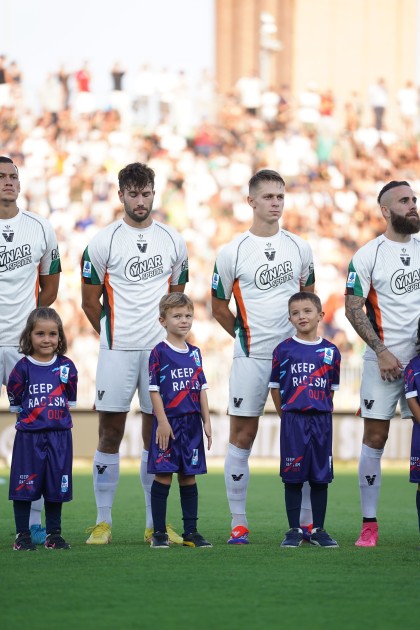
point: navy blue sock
(53, 516)
(319, 496)
(418, 505)
(189, 506)
(22, 510)
(293, 499)
(159, 495)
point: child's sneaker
(195, 540)
(23, 542)
(160, 540)
(56, 541)
(368, 536)
(321, 538)
(293, 538)
(239, 536)
(38, 534)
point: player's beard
(402, 225)
(136, 217)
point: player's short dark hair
(305, 295)
(174, 300)
(6, 160)
(25, 343)
(389, 186)
(265, 175)
(136, 176)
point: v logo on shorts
(237, 402)
(101, 393)
(368, 403)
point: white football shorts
(248, 386)
(378, 398)
(9, 356)
(118, 375)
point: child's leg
(189, 502)
(53, 516)
(22, 510)
(293, 499)
(319, 495)
(159, 497)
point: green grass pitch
(128, 585)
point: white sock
(370, 479)
(306, 507)
(236, 480)
(35, 514)
(106, 474)
(146, 481)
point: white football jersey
(387, 274)
(28, 249)
(262, 273)
(136, 268)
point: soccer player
(305, 374)
(383, 304)
(41, 389)
(262, 268)
(178, 392)
(412, 393)
(29, 277)
(126, 269)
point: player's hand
(163, 434)
(207, 431)
(390, 367)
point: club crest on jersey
(403, 281)
(328, 355)
(142, 247)
(351, 280)
(269, 252)
(87, 269)
(266, 278)
(405, 258)
(195, 355)
(137, 269)
(8, 234)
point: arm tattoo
(357, 317)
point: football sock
(21, 510)
(146, 482)
(189, 506)
(159, 497)
(52, 516)
(293, 500)
(306, 517)
(319, 496)
(236, 480)
(418, 505)
(370, 479)
(106, 474)
(36, 509)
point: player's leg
(248, 391)
(375, 436)
(116, 381)
(146, 478)
(58, 484)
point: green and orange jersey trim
(374, 314)
(241, 322)
(109, 310)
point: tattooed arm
(388, 364)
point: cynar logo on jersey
(137, 269)
(16, 257)
(403, 281)
(266, 278)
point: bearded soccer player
(383, 305)
(29, 277)
(126, 269)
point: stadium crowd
(203, 147)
